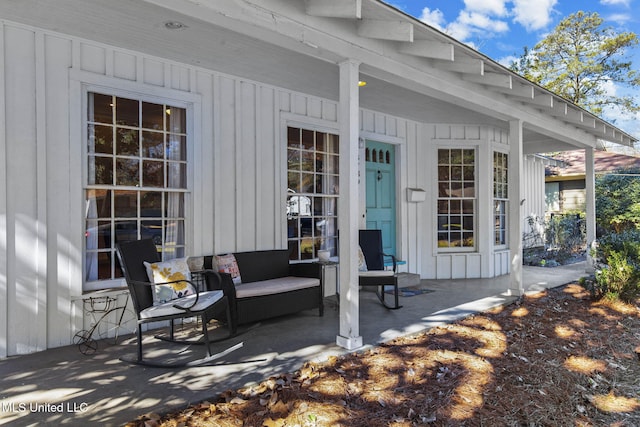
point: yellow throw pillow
(169, 271)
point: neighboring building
(195, 122)
(565, 183)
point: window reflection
(137, 177)
(456, 198)
(312, 190)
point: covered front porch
(244, 74)
(100, 389)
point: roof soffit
(414, 56)
(377, 34)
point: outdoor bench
(266, 284)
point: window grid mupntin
(136, 179)
(500, 196)
(312, 192)
(456, 207)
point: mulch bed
(553, 359)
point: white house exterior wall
(237, 172)
(485, 260)
(237, 169)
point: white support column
(348, 209)
(590, 214)
(516, 199)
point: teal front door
(381, 192)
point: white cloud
(616, 2)
(619, 18)
(459, 31)
(610, 88)
(487, 7)
(435, 18)
(482, 21)
(473, 24)
(507, 60)
(533, 15)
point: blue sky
(501, 29)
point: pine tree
(581, 60)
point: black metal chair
(376, 274)
(205, 305)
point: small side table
(329, 277)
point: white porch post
(349, 336)
(590, 214)
(516, 193)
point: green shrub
(566, 232)
(627, 242)
(617, 194)
(618, 279)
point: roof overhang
(412, 70)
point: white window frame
(312, 195)
(457, 249)
(504, 199)
(116, 87)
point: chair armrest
(393, 259)
(306, 269)
(195, 300)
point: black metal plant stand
(100, 308)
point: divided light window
(312, 192)
(456, 198)
(136, 179)
(500, 197)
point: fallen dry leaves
(553, 359)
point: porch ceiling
(299, 63)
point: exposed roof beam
(559, 109)
(491, 79)
(462, 65)
(542, 99)
(612, 134)
(386, 30)
(428, 49)
(588, 121)
(526, 92)
(575, 116)
(351, 9)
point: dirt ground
(553, 359)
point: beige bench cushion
(275, 286)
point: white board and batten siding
(38, 252)
(237, 186)
(486, 260)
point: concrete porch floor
(64, 387)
